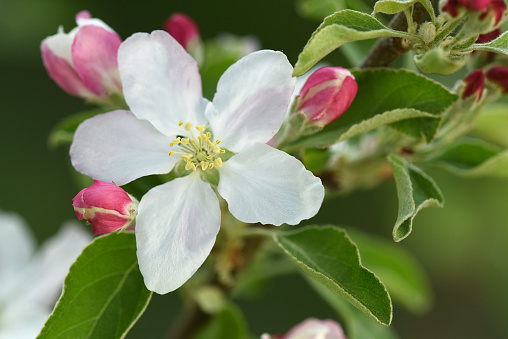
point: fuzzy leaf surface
(338, 29)
(499, 45)
(386, 96)
(104, 293)
(327, 255)
(415, 190)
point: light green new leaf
(473, 157)
(415, 190)
(104, 293)
(499, 45)
(318, 9)
(356, 324)
(327, 255)
(338, 29)
(395, 6)
(384, 97)
(63, 133)
(228, 323)
(398, 270)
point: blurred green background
(462, 247)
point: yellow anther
(171, 153)
(171, 144)
(188, 126)
(180, 123)
(190, 166)
(176, 141)
(216, 149)
(218, 141)
(200, 128)
(211, 166)
(187, 157)
(209, 157)
(209, 143)
(218, 162)
(208, 135)
(204, 165)
(185, 141)
(194, 142)
(222, 151)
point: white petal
(263, 184)
(118, 147)
(17, 246)
(161, 81)
(251, 100)
(176, 228)
(51, 264)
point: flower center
(198, 151)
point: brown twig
(387, 50)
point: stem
(386, 50)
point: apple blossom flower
(169, 123)
(83, 62)
(25, 305)
(327, 94)
(474, 84)
(312, 329)
(499, 76)
(106, 207)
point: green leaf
(492, 123)
(340, 28)
(420, 128)
(395, 6)
(63, 133)
(228, 323)
(327, 255)
(473, 157)
(384, 97)
(318, 9)
(398, 270)
(356, 324)
(499, 45)
(416, 190)
(104, 293)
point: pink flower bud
(106, 206)
(183, 29)
(83, 62)
(475, 5)
(494, 10)
(312, 329)
(327, 94)
(499, 76)
(488, 37)
(474, 84)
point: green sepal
(340, 28)
(415, 190)
(327, 255)
(103, 294)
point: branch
(387, 50)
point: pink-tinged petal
(107, 196)
(495, 10)
(488, 37)
(117, 147)
(63, 73)
(252, 99)
(474, 84)
(475, 5)
(452, 7)
(499, 76)
(94, 54)
(181, 27)
(161, 82)
(83, 15)
(175, 231)
(327, 94)
(316, 329)
(103, 222)
(263, 184)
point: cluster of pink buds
(488, 12)
(106, 207)
(474, 84)
(83, 62)
(327, 94)
(312, 329)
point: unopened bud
(474, 84)
(312, 328)
(499, 76)
(106, 207)
(327, 94)
(439, 61)
(186, 32)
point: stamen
(218, 162)
(218, 141)
(180, 123)
(200, 128)
(185, 141)
(188, 126)
(216, 149)
(204, 165)
(171, 153)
